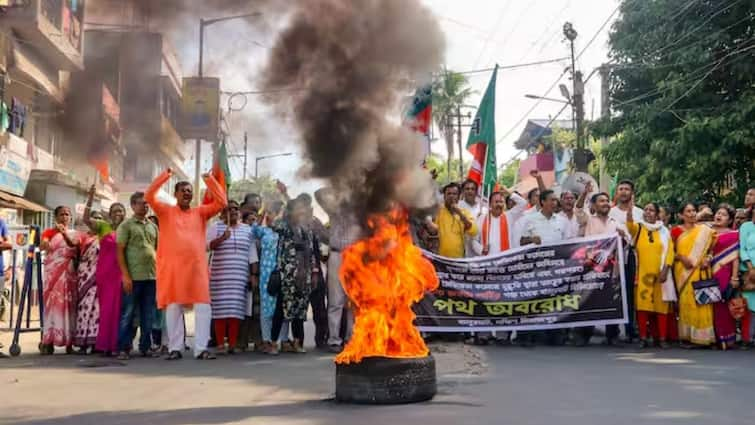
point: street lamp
(207, 22)
(550, 99)
(202, 24)
(257, 161)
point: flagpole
(485, 196)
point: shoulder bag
(706, 289)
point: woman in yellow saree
(693, 254)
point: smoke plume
(345, 66)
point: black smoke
(347, 65)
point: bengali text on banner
(567, 284)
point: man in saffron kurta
(182, 273)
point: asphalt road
(494, 385)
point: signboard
(19, 236)
(14, 171)
(200, 108)
(562, 285)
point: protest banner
(567, 284)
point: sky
(479, 34)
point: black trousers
(612, 331)
(297, 325)
(320, 314)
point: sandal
(206, 355)
(174, 355)
(124, 356)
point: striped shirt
(229, 270)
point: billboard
(200, 108)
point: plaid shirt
(344, 231)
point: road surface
(491, 385)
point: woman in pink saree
(106, 275)
(725, 264)
(60, 284)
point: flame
(384, 275)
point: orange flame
(384, 275)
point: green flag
(481, 141)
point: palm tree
(450, 92)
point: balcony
(52, 28)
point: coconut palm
(450, 92)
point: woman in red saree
(725, 264)
(60, 284)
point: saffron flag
(220, 171)
(419, 114)
(481, 142)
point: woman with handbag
(691, 261)
(269, 281)
(653, 295)
(725, 265)
(747, 267)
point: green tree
(507, 174)
(450, 91)
(263, 186)
(683, 98)
(436, 163)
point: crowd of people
(689, 281)
(251, 272)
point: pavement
(476, 385)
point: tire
(382, 380)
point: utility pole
(449, 136)
(458, 137)
(202, 24)
(582, 157)
(246, 153)
(605, 113)
(198, 154)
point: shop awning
(16, 202)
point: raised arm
(583, 195)
(219, 198)
(540, 182)
(151, 194)
(520, 204)
(88, 207)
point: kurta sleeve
(219, 199)
(151, 194)
(634, 229)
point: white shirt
(620, 216)
(549, 230)
(476, 212)
(494, 239)
(572, 224)
(519, 222)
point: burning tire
(383, 380)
